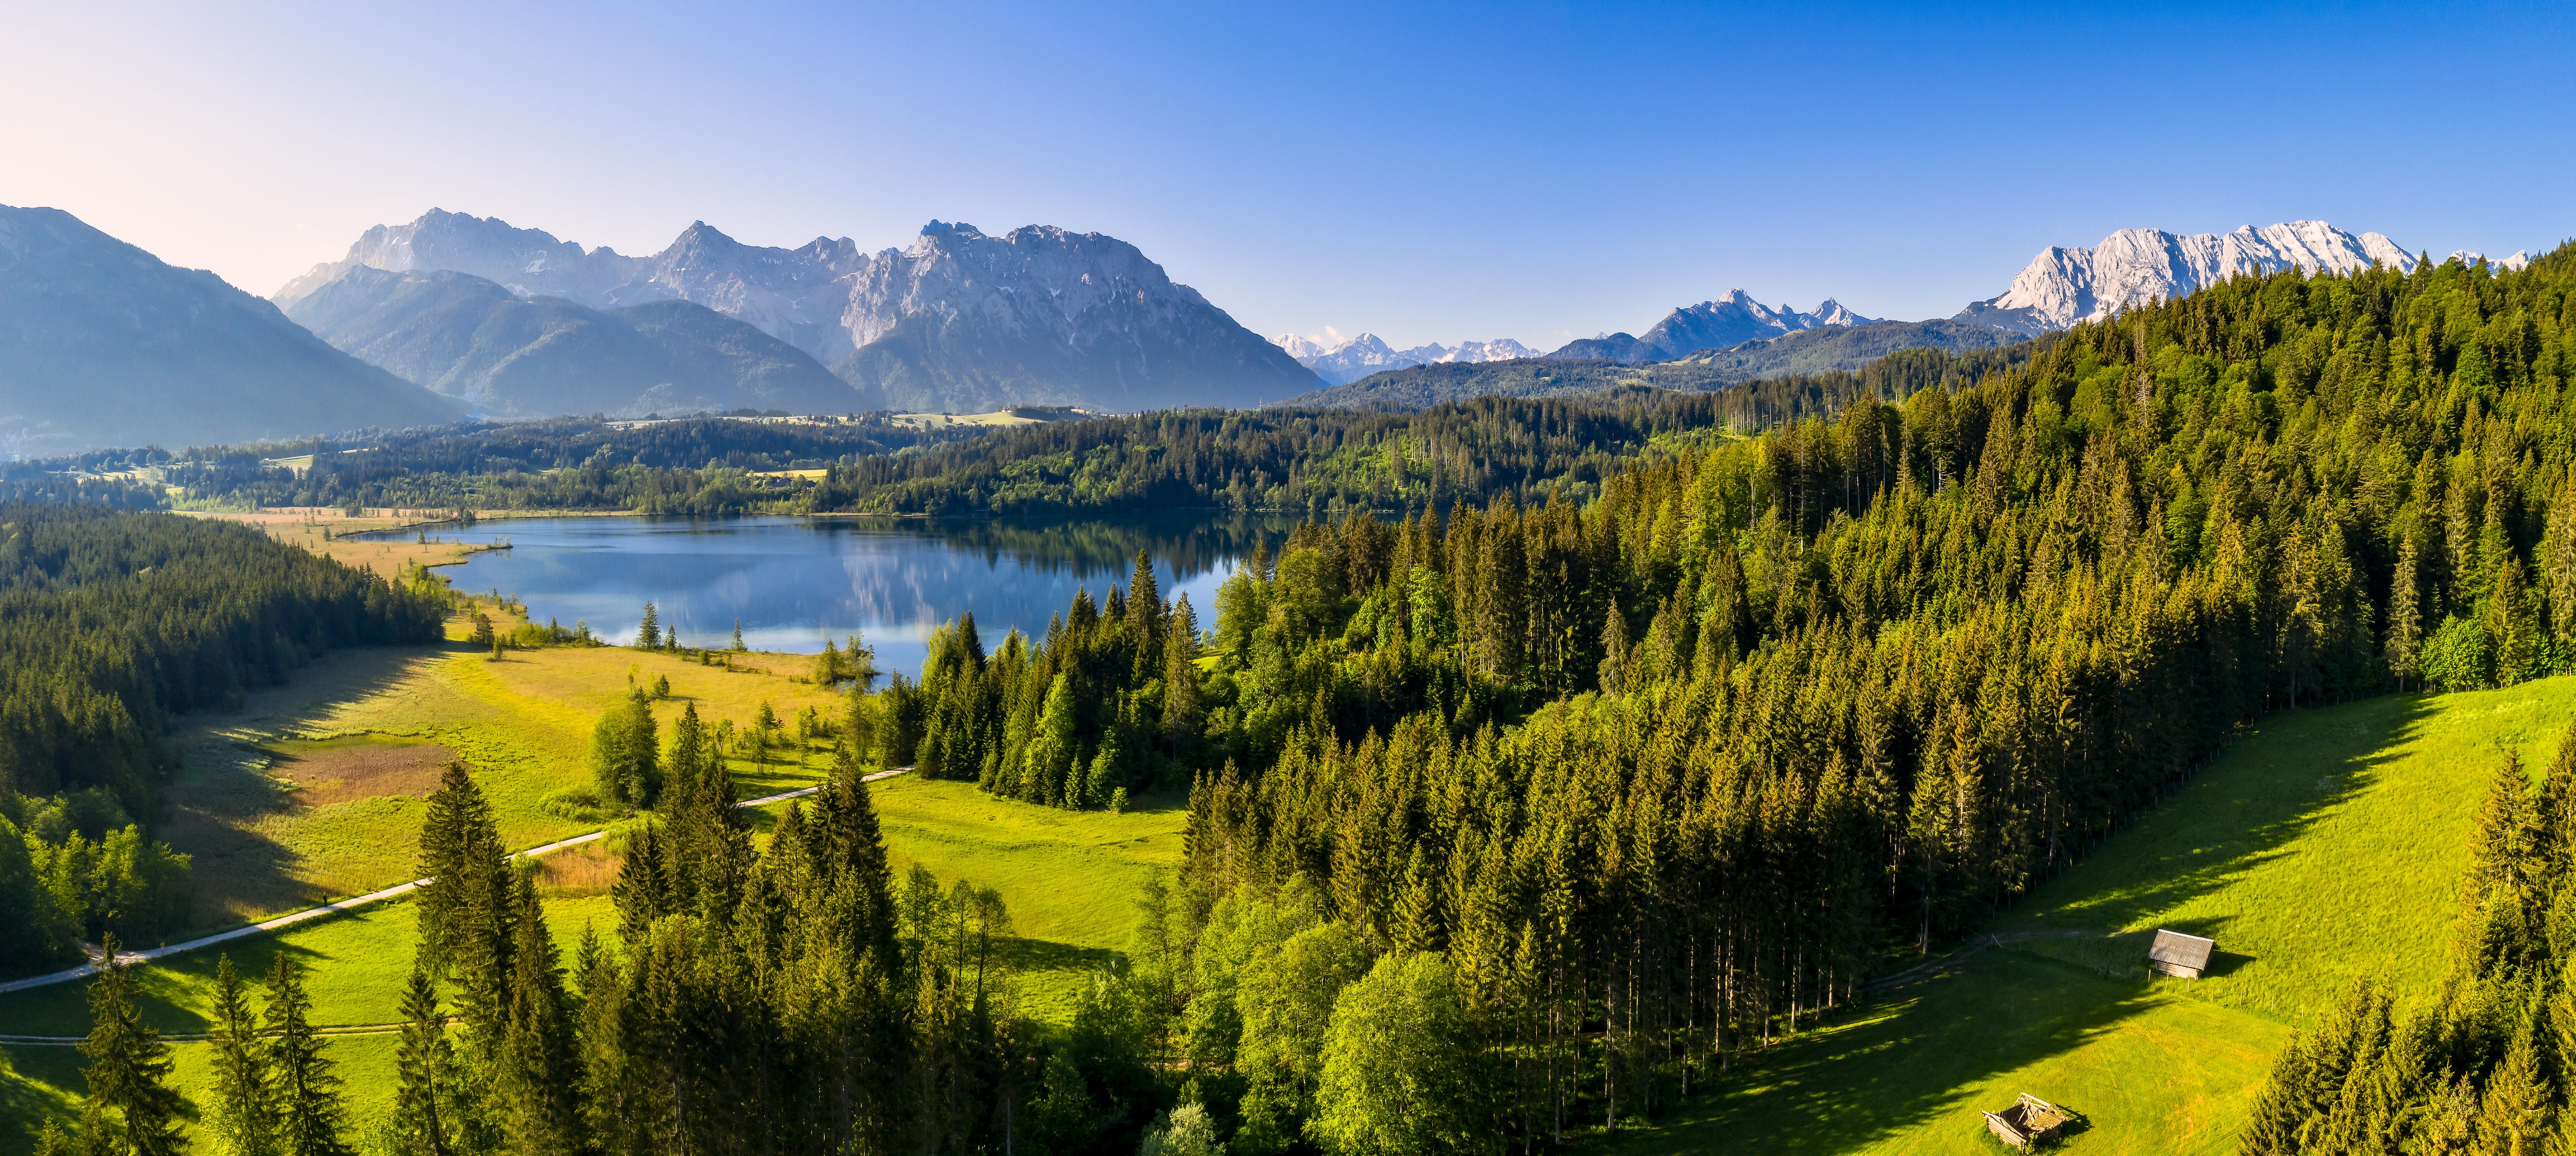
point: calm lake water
(793, 582)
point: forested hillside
(1315, 462)
(1791, 695)
(1378, 456)
(110, 622)
(698, 465)
(1512, 821)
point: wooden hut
(2175, 953)
(2030, 1121)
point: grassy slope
(522, 723)
(1069, 877)
(2324, 847)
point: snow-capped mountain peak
(1340, 360)
(2520, 258)
(2061, 287)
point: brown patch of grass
(338, 771)
(585, 870)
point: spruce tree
(2404, 650)
(737, 635)
(303, 1084)
(648, 634)
(1418, 915)
(240, 1116)
(423, 1119)
(535, 1071)
(457, 843)
(129, 1068)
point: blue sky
(1537, 171)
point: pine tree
(423, 1118)
(642, 892)
(535, 1071)
(648, 634)
(1614, 652)
(129, 1069)
(303, 1085)
(2515, 1114)
(1051, 753)
(1419, 918)
(2405, 645)
(457, 842)
(737, 636)
(240, 1115)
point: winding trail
(282, 922)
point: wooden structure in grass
(2177, 954)
(2030, 1121)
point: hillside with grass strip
(2326, 847)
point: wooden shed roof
(2182, 950)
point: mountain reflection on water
(793, 582)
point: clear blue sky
(1428, 172)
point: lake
(793, 582)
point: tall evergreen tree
(240, 1118)
(129, 1068)
(424, 1118)
(304, 1084)
(536, 1069)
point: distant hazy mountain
(508, 356)
(1845, 347)
(1807, 351)
(1730, 320)
(2061, 287)
(1349, 360)
(103, 344)
(958, 321)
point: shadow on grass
(37, 1084)
(2241, 812)
(1902, 1062)
(215, 804)
(1907, 1058)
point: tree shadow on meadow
(1902, 1061)
(215, 804)
(2243, 811)
(1905, 1058)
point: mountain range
(1730, 320)
(958, 321)
(507, 356)
(2062, 287)
(104, 344)
(1349, 360)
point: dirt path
(311, 913)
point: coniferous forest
(110, 622)
(1516, 816)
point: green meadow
(2325, 846)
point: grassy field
(1070, 877)
(2325, 846)
(312, 791)
(354, 965)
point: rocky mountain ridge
(507, 356)
(959, 320)
(2062, 287)
(1723, 323)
